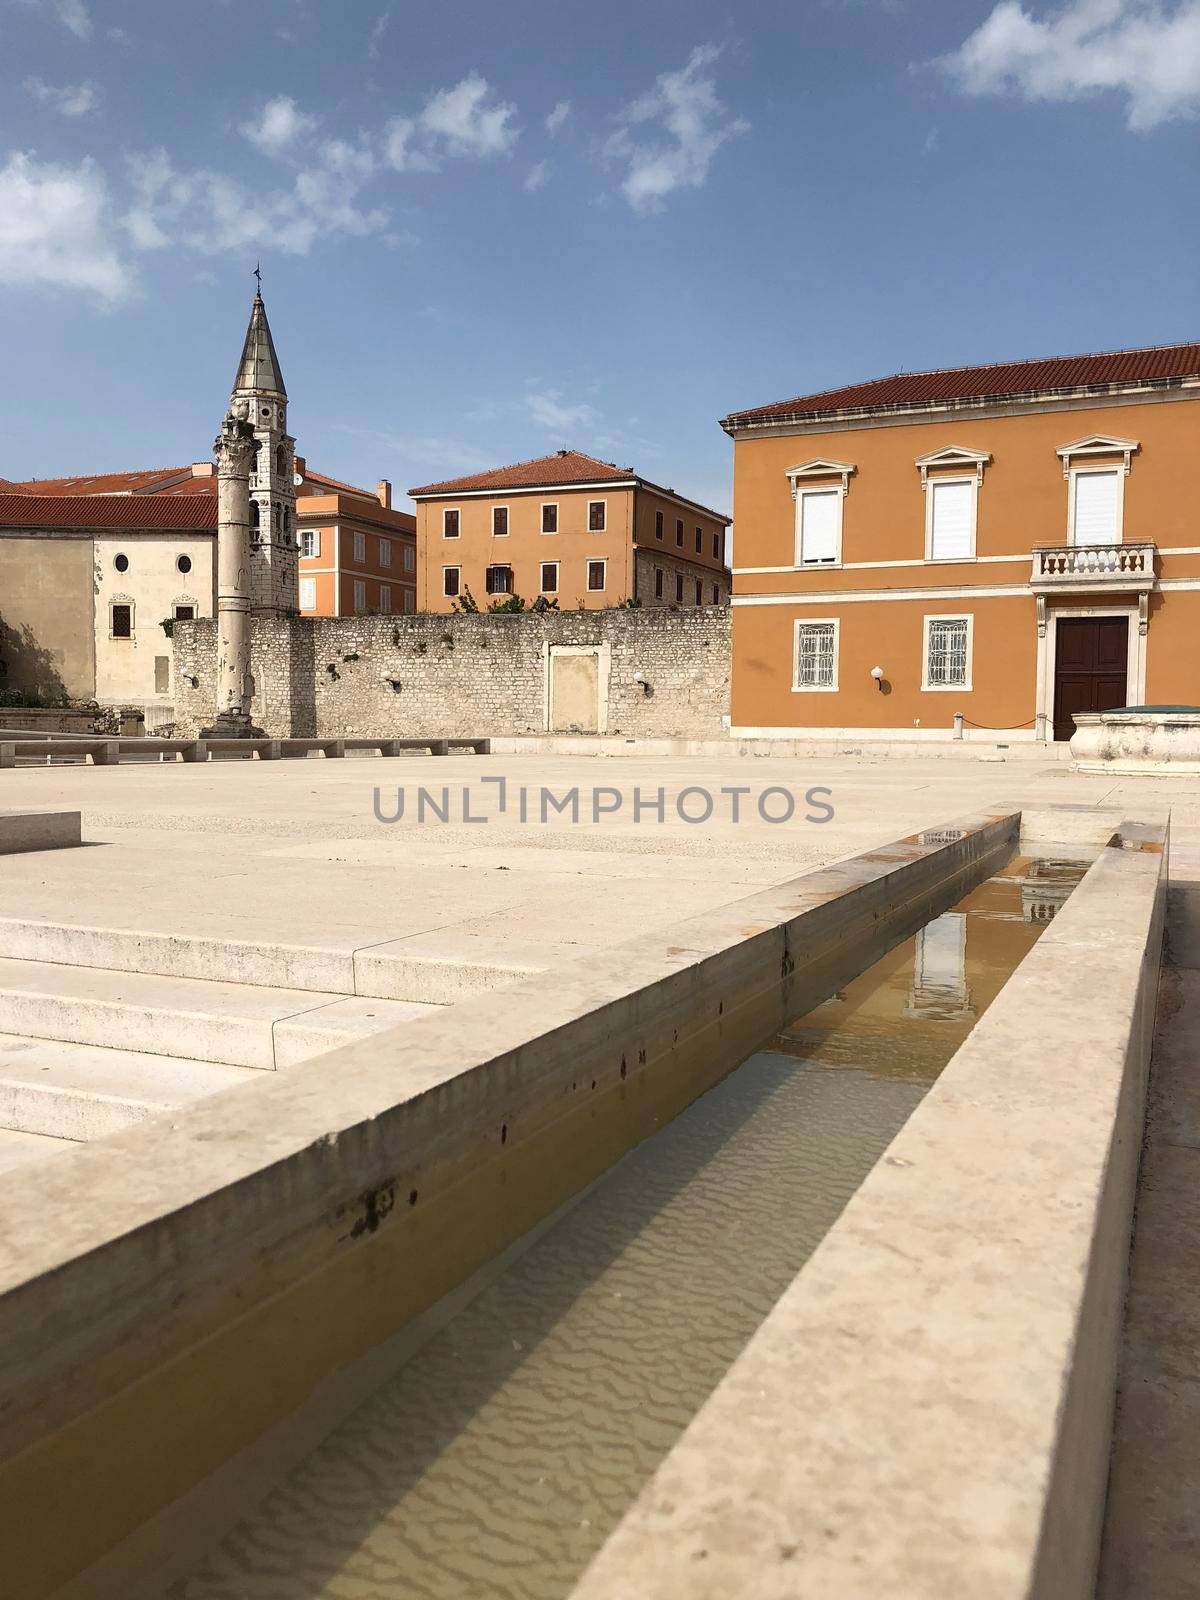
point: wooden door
(1090, 668)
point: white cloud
(464, 120)
(55, 228)
(213, 212)
(549, 413)
(468, 122)
(72, 99)
(281, 125)
(375, 38)
(537, 177)
(557, 117)
(73, 14)
(1144, 50)
(685, 124)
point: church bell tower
(259, 400)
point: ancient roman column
(234, 447)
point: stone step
(236, 1024)
(82, 1091)
(18, 1149)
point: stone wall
(471, 675)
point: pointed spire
(259, 367)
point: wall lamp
(877, 674)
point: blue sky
(488, 231)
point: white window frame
(816, 688)
(127, 601)
(595, 561)
(446, 595)
(456, 511)
(507, 522)
(972, 482)
(1090, 471)
(308, 586)
(818, 488)
(948, 688)
(541, 587)
(385, 552)
(548, 533)
(500, 566)
(360, 596)
(603, 528)
(310, 542)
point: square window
(679, 533)
(450, 580)
(310, 542)
(500, 522)
(658, 583)
(385, 552)
(947, 653)
(498, 580)
(121, 619)
(308, 594)
(550, 517)
(360, 546)
(658, 525)
(549, 577)
(595, 575)
(816, 655)
(818, 527)
(449, 523)
(597, 515)
(184, 613)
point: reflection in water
(496, 1461)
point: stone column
(234, 449)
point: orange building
(997, 546)
(571, 528)
(357, 554)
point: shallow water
(497, 1460)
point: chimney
(203, 469)
(383, 493)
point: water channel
(497, 1459)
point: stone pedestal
(1158, 741)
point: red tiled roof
(335, 483)
(145, 481)
(547, 472)
(124, 511)
(1153, 365)
(192, 486)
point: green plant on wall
(466, 604)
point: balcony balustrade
(1094, 566)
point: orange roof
(146, 481)
(1151, 365)
(546, 472)
(123, 511)
(334, 483)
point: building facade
(358, 555)
(567, 528)
(1003, 546)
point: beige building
(567, 528)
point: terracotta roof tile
(144, 481)
(335, 483)
(126, 511)
(546, 472)
(913, 390)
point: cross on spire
(258, 275)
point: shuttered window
(820, 518)
(1095, 518)
(308, 594)
(951, 520)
